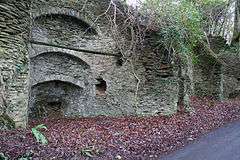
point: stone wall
(208, 80)
(48, 67)
(231, 71)
(55, 65)
(14, 18)
(231, 86)
(56, 99)
(220, 81)
(208, 72)
(67, 24)
(71, 83)
(166, 83)
(159, 88)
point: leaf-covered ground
(131, 138)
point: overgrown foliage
(181, 25)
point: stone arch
(62, 81)
(60, 66)
(61, 52)
(61, 78)
(55, 75)
(55, 99)
(35, 50)
(62, 26)
(51, 11)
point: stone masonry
(14, 20)
(207, 73)
(47, 81)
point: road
(221, 144)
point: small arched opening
(52, 99)
(101, 87)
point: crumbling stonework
(59, 82)
(158, 90)
(208, 71)
(14, 18)
(208, 81)
(231, 71)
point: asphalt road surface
(221, 144)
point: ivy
(181, 24)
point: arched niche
(61, 54)
(59, 65)
(72, 22)
(61, 28)
(101, 87)
(61, 83)
(55, 99)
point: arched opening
(101, 87)
(55, 109)
(52, 99)
(63, 29)
(119, 62)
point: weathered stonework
(186, 82)
(14, 20)
(158, 90)
(207, 73)
(208, 81)
(59, 82)
(75, 33)
(231, 71)
(231, 86)
(68, 81)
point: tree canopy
(183, 24)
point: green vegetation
(26, 156)
(234, 49)
(3, 157)
(38, 134)
(181, 25)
